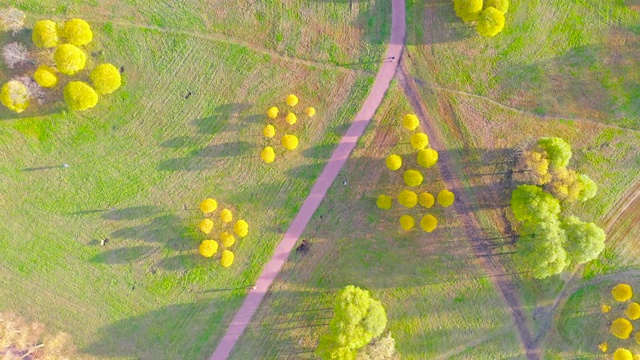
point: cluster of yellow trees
(208, 248)
(488, 14)
(425, 158)
(621, 327)
(288, 141)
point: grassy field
(186, 125)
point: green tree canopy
(588, 187)
(541, 248)
(585, 241)
(558, 150)
(530, 203)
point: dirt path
(319, 189)
(482, 248)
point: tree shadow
(190, 163)
(131, 213)
(319, 151)
(121, 255)
(220, 117)
(180, 262)
(228, 150)
(179, 142)
(165, 229)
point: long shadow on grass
(121, 255)
(220, 117)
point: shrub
(490, 22)
(426, 199)
(558, 151)
(407, 222)
(588, 187)
(269, 131)
(445, 198)
(384, 202)
(208, 248)
(105, 78)
(206, 226)
(272, 112)
(622, 292)
(428, 223)
(531, 203)
(410, 122)
(226, 216)
(502, 5)
(292, 100)
(226, 259)
(268, 155)
(413, 177)
(427, 158)
(467, 10)
(310, 111)
(603, 347)
(69, 59)
(290, 142)
(14, 54)
(14, 96)
(227, 239)
(419, 140)
(241, 228)
(77, 32)
(604, 308)
(80, 96)
(291, 118)
(585, 241)
(621, 328)
(11, 19)
(394, 162)
(45, 34)
(46, 76)
(208, 205)
(633, 311)
(622, 354)
(408, 198)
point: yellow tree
(46, 76)
(241, 228)
(268, 155)
(226, 259)
(394, 162)
(208, 205)
(407, 222)
(208, 248)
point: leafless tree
(11, 19)
(34, 90)
(14, 54)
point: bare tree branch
(14, 54)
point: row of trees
(488, 15)
(209, 247)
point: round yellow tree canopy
(310, 111)
(419, 140)
(46, 76)
(291, 118)
(603, 347)
(622, 292)
(292, 100)
(407, 222)
(633, 311)
(227, 239)
(428, 223)
(604, 308)
(621, 328)
(384, 202)
(445, 198)
(427, 158)
(410, 121)
(622, 354)
(272, 112)
(269, 131)
(426, 199)
(408, 198)
(227, 258)
(208, 248)
(290, 142)
(413, 177)
(394, 162)
(208, 205)
(226, 215)
(206, 226)
(268, 155)
(241, 228)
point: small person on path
(344, 182)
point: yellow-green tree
(427, 158)
(206, 225)
(428, 223)
(272, 113)
(226, 215)
(80, 96)
(268, 155)
(633, 311)
(622, 354)
(426, 200)
(226, 259)
(46, 76)
(14, 96)
(69, 59)
(208, 248)
(407, 222)
(621, 328)
(419, 140)
(408, 198)
(45, 34)
(445, 198)
(394, 162)
(208, 205)
(227, 239)
(241, 228)
(410, 122)
(269, 131)
(384, 202)
(490, 22)
(289, 142)
(502, 5)
(77, 32)
(310, 111)
(413, 177)
(292, 100)
(105, 78)
(622, 292)
(291, 118)
(467, 10)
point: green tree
(585, 241)
(467, 10)
(541, 248)
(558, 151)
(490, 22)
(530, 203)
(588, 187)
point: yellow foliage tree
(622, 354)
(227, 239)
(427, 158)
(77, 32)
(105, 78)
(46, 76)
(394, 162)
(621, 328)
(413, 177)
(408, 198)
(292, 100)
(269, 131)
(633, 311)
(14, 96)
(272, 113)
(310, 111)
(268, 155)
(622, 292)
(407, 222)
(290, 142)
(226, 215)
(45, 34)
(428, 223)
(384, 202)
(410, 121)
(603, 347)
(208, 205)
(208, 248)
(291, 118)
(241, 228)
(426, 199)
(605, 308)
(80, 96)
(227, 258)
(490, 22)
(419, 140)
(445, 198)
(69, 59)
(206, 226)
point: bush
(384, 202)
(603, 347)
(426, 199)
(622, 354)
(14, 96)
(467, 10)
(445, 198)
(46, 76)
(290, 142)
(413, 177)
(490, 22)
(410, 122)
(558, 151)
(208, 205)
(588, 187)
(206, 226)
(69, 59)
(604, 308)
(408, 198)
(208, 248)
(272, 112)
(77, 32)
(45, 34)
(14, 54)
(419, 140)
(226, 216)
(291, 118)
(241, 228)
(502, 5)
(292, 100)
(269, 131)
(226, 259)
(11, 19)
(80, 96)
(622, 292)
(268, 155)
(428, 223)
(227, 239)
(310, 111)
(621, 328)
(427, 158)
(407, 222)
(633, 311)
(394, 162)
(105, 78)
